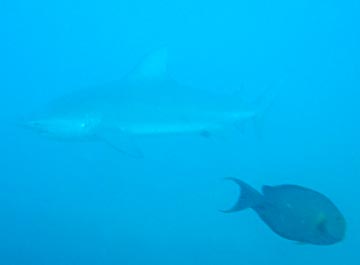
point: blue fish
(145, 102)
(294, 212)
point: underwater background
(84, 203)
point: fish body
(294, 212)
(146, 102)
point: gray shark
(145, 102)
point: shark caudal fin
(248, 198)
(153, 67)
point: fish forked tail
(248, 198)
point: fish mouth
(34, 126)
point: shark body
(146, 102)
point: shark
(147, 101)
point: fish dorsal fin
(152, 67)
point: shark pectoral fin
(121, 142)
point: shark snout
(33, 125)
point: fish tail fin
(249, 197)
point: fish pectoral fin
(120, 141)
(322, 226)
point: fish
(294, 212)
(145, 102)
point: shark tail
(249, 197)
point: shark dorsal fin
(152, 67)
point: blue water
(83, 203)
